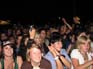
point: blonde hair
(80, 41)
(33, 45)
(37, 35)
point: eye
(6, 47)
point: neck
(8, 58)
(82, 52)
(35, 64)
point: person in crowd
(36, 36)
(9, 59)
(81, 56)
(56, 55)
(35, 60)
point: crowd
(64, 46)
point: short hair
(54, 37)
(33, 45)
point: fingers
(53, 50)
(32, 33)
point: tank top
(2, 64)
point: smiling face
(85, 46)
(37, 39)
(35, 55)
(58, 45)
(43, 34)
(8, 51)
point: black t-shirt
(78, 28)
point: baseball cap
(5, 43)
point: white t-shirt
(76, 54)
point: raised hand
(53, 51)
(64, 20)
(32, 33)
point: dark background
(39, 11)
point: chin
(86, 51)
(37, 61)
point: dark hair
(54, 37)
(30, 42)
(7, 42)
(41, 29)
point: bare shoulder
(19, 58)
(0, 65)
(19, 61)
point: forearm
(68, 26)
(85, 65)
(58, 63)
(66, 62)
(69, 48)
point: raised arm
(32, 33)
(65, 22)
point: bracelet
(56, 58)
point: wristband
(56, 58)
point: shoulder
(63, 50)
(75, 53)
(19, 59)
(26, 65)
(49, 56)
(45, 60)
(45, 63)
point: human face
(38, 40)
(3, 36)
(58, 45)
(43, 34)
(85, 46)
(35, 55)
(8, 51)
